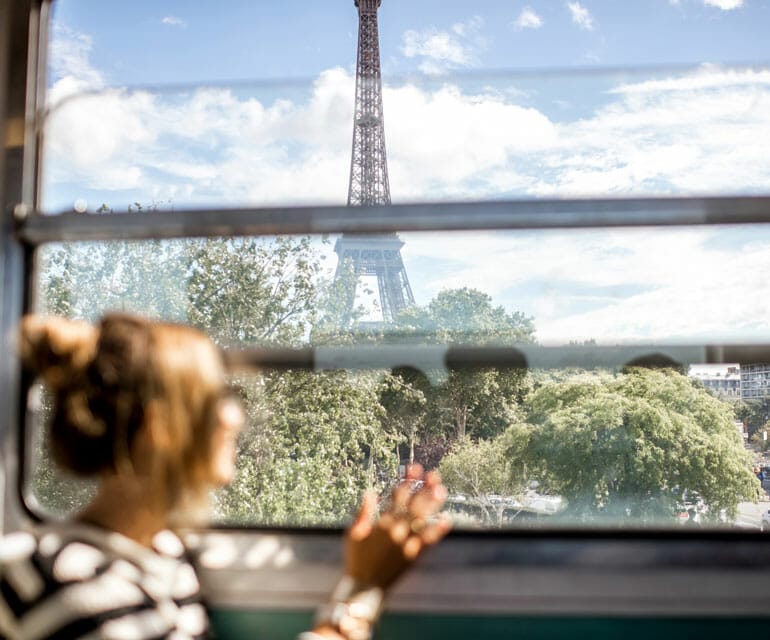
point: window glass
(580, 437)
(676, 132)
(253, 105)
(205, 116)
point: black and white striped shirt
(72, 580)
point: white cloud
(174, 21)
(528, 19)
(695, 132)
(610, 285)
(205, 146)
(724, 5)
(691, 133)
(71, 69)
(468, 28)
(439, 45)
(707, 76)
(442, 141)
(580, 16)
(443, 50)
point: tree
(632, 445)
(481, 472)
(402, 398)
(754, 414)
(480, 403)
(246, 290)
(55, 490)
(314, 442)
(320, 445)
(86, 280)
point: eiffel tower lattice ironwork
(377, 254)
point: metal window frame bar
(23, 39)
(35, 228)
(432, 358)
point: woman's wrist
(353, 609)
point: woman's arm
(379, 550)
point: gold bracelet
(353, 609)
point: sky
(196, 104)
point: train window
(179, 125)
(545, 351)
(539, 269)
(526, 399)
(452, 138)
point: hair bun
(57, 349)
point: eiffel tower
(377, 255)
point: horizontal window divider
(430, 358)
(37, 228)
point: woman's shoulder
(67, 545)
(70, 574)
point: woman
(143, 406)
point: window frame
(518, 572)
(32, 229)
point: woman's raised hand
(379, 550)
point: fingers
(362, 524)
(430, 498)
(432, 478)
(423, 502)
(436, 530)
(427, 501)
(399, 530)
(412, 547)
(401, 497)
(412, 544)
(411, 520)
(414, 471)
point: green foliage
(403, 399)
(247, 291)
(631, 445)
(479, 403)
(464, 316)
(86, 280)
(614, 445)
(755, 414)
(479, 471)
(55, 491)
(759, 440)
(320, 446)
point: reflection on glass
(569, 448)
(467, 137)
(683, 285)
(573, 444)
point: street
(750, 514)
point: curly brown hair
(127, 373)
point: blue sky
(155, 42)
(473, 110)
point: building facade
(755, 381)
(727, 384)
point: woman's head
(132, 397)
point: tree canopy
(632, 445)
(480, 402)
(619, 445)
